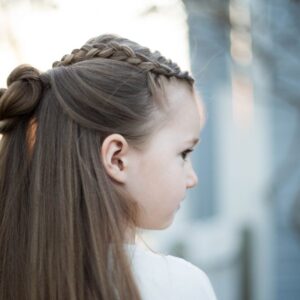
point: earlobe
(114, 151)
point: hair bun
(23, 72)
(21, 97)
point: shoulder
(184, 279)
(191, 278)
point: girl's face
(162, 173)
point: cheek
(161, 188)
(160, 169)
(157, 177)
(165, 178)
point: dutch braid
(116, 48)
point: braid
(116, 48)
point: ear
(114, 152)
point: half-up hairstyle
(61, 218)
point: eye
(185, 153)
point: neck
(130, 237)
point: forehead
(183, 116)
(184, 106)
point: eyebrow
(194, 141)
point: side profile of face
(158, 177)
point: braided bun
(21, 97)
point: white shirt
(164, 277)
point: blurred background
(241, 225)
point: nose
(192, 179)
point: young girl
(91, 150)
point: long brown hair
(60, 216)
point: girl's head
(159, 175)
(91, 149)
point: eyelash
(185, 153)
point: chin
(167, 224)
(159, 226)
